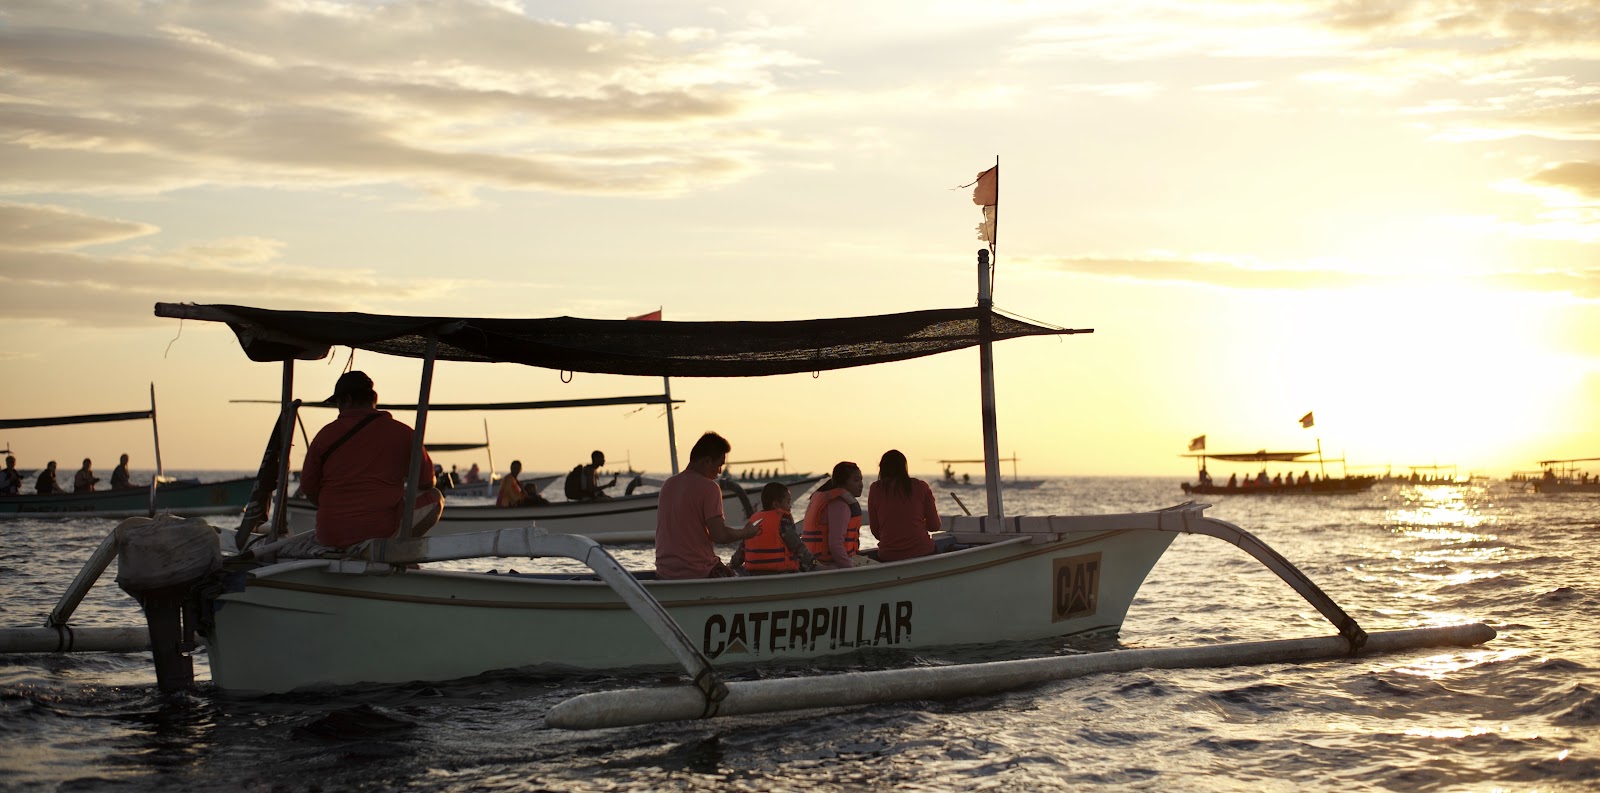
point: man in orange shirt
(689, 517)
(355, 471)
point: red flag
(1198, 444)
(654, 316)
(987, 191)
(1306, 420)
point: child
(777, 549)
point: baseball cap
(351, 384)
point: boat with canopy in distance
(1262, 485)
(280, 624)
(948, 478)
(1565, 476)
(163, 495)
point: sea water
(1520, 713)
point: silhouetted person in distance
(84, 480)
(582, 482)
(46, 484)
(10, 478)
(1233, 481)
(511, 493)
(119, 475)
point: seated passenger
(83, 481)
(119, 475)
(46, 484)
(901, 511)
(358, 467)
(777, 549)
(511, 493)
(689, 520)
(581, 484)
(10, 478)
(833, 519)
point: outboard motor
(160, 563)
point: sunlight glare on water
(1520, 713)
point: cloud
(114, 97)
(1582, 284)
(45, 278)
(1580, 178)
(1208, 273)
(38, 227)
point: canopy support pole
(672, 432)
(1323, 469)
(991, 433)
(155, 431)
(490, 450)
(409, 507)
(280, 495)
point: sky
(1384, 213)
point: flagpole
(991, 435)
(994, 231)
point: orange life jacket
(815, 535)
(766, 552)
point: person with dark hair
(833, 519)
(777, 549)
(901, 511)
(10, 478)
(356, 469)
(46, 484)
(689, 516)
(119, 475)
(512, 494)
(582, 484)
(83, 481)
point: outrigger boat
(1288, 485)
(367, 617)
(949, 480)
(164, 495)
(1564, 476)
(741, 472)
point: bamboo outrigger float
(291, 624)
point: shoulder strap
(333, 447)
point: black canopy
(627, 347)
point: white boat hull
(301, 624)
(624, 519)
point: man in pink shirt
(689, 518)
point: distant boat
(1286, 485)
(186, 498)
(1429, 475)
(949, 479)
(1564, 476)
(739, 471)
